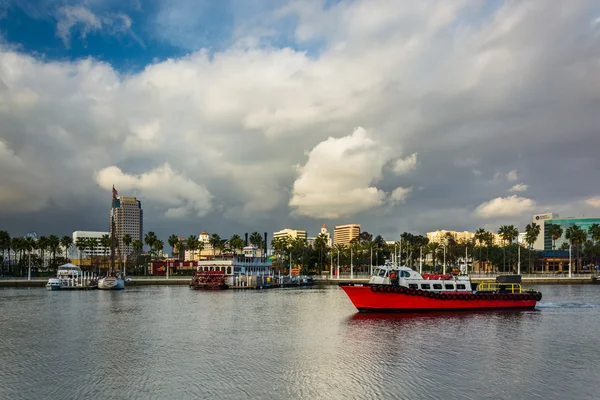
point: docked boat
(401, 289)
(70, 276)
(209, 280)
(111, 283)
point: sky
(237, 116)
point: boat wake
(567, 305)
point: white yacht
(67, 275)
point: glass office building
(584, 223)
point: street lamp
(351, 265)
(444, 259)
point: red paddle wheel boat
(209, 280)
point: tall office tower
(343, 234)
(128, 219)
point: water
(176, 343)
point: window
(425, 286)
(405, 274)
(459, 286)
(437, 286)
(449, 286)
(413, 286)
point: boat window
(382, 272)
(425, 286)
(405, 274)
(228, 270)
(437, 286)
(449, 286)
(413, 286)
(461, 287)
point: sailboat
(113, 281)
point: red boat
(209, 280)
(401, 289)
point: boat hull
(367, 300)
(209, 287)
(111, 283)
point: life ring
(373, 288)
(395, 289)
(443, 296)
(505, 297)
(538, 296)
(412, 292)
(388, 289)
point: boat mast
(112, 234)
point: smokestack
(246, 239)
(265, 244)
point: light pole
(570, 273)
(518, 256)
(331, 265)
(338, 265)
(290, 265)
(444, 259)
(351, 265)
(371, 272)
(421, 260)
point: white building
(539, 219)
(75, 253)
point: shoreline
(41, 282)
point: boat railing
(501, 287)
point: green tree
(321, 247)
(66, 242)
(42, 246)
(137, 246)
(532, 231)
(5, 246)
(236, 243)
(173, 240)
(192, 244)
(576, 237)
(215, 242)
(82, 246)
(256, 240)
(480, 237)
(127, 240)
(54, 247)
(150, 239)
(594, 232)
(508, 234)
(158, 246)
(556, 232)
(180, 246)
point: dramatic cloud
(337, 179)
(449, 93)
(519, 187)
(399, 194)
(181, 195)
(593, 202)
(512, 206)
(403, 166)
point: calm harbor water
(176, 343)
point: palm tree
(4, 246)
(42, 246)
(92, 245)
(127, 239)
(532, 231)
(54, 246)
(158, 246)
(173, 240)
(508, 234)
(593, 231)
(215, 241)
(66, 242)
(137, 246)
(105, 244)
(236, 243)
(30, 245)
(150, 238)
(180, 246)
(192, 244)
(577, 237)
(556, 232)
(321, 247)
(480, 236)
(256, 240)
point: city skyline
(244, 118)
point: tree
(508, 234)
(594, 232)
(30, 245)
(4, 246)
(158, 246)
(173, 240)
(256, 240)
(215, 242)
(321, 247)
(127, 239)
(532, 231)
(53, 246)
(137, 246)
(42, 246)
(105, 244)
(480, 237)
(180, 246)
(150, 239)
(576, 237)
(92, 245)
(191, 244)
(66, 242)
(236, 243)
(556, 232)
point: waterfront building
(78, 256)
(440, 236)
(128, 219)
(290, 233)
(310, 241)
(545, 242)
(343, 234)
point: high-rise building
(343, 234)
(291, 233)
(540, 220)
(128, 219)
(441, 235)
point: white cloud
(512, 176)
(86, 21)
(399, 194)
(593, 202)
(405, 165)
(512, 206)
(337, 178)
(519, 187)
(162, 185)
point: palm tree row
(35, 250)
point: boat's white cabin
(407, 277)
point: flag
(115, 193)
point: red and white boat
(401, 289)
